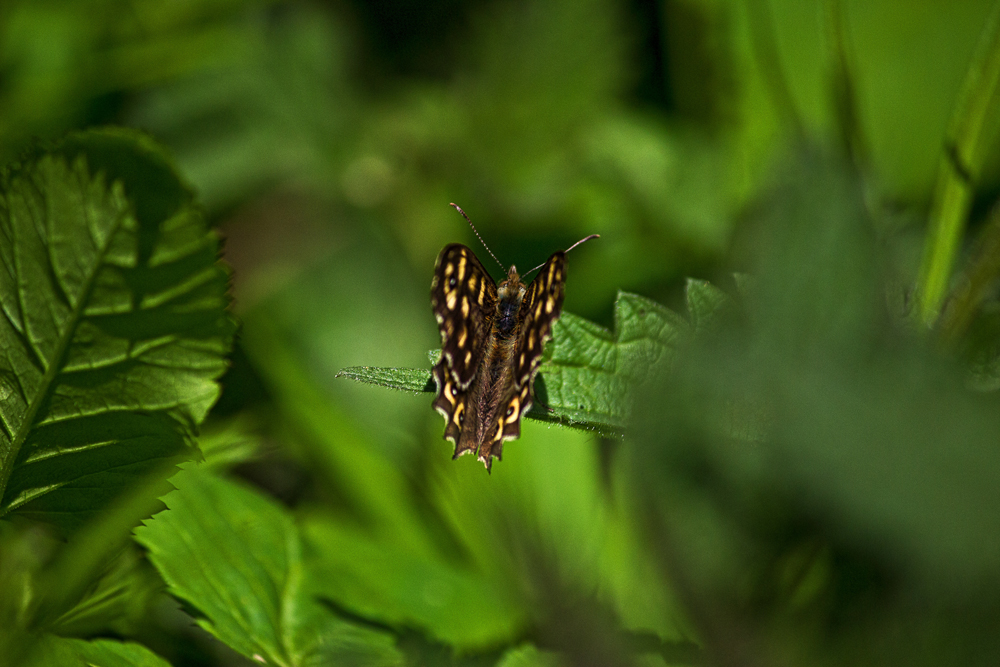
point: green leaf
(98, 653)
(587, 371)
(250, 588)
(404, 379)
(114, 326)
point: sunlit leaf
(250, 589)
(114, 327)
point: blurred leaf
(703, 301)
(396, 584)
(117, 601)
(77, 588)
(23, 551)
(229, 442)
(352, 470)
(86, 584)
(265, 101)
(115, 326)
(97, 653)
(529, 656)
(863, 511)
(251, 588)
(587, 370)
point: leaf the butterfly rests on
(491, 345)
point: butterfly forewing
(540, 308)
(463, 296)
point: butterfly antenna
(459, 209)
(592, 236)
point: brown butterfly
(491, 345)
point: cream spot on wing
(499, 429)
(468, 357)
(459, 416)
(461, 268)
(531, 344)
(548, 305)
(482, 292)
(439, 317)
(472, 283)
(512, 411)
(465, 306)
(538, 310)
(450, 300)
(462, 337)
(448, 269)
(522, 358)
(447, 392)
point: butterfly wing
(463, 297)
(540, 308)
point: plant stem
(961, 162)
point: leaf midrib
(7, 467)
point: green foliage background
(797, 465)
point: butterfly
(492, 337)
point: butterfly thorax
(510, 293)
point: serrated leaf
(251, 588)
(114, 327)
(587, 370)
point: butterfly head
(511, 282)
